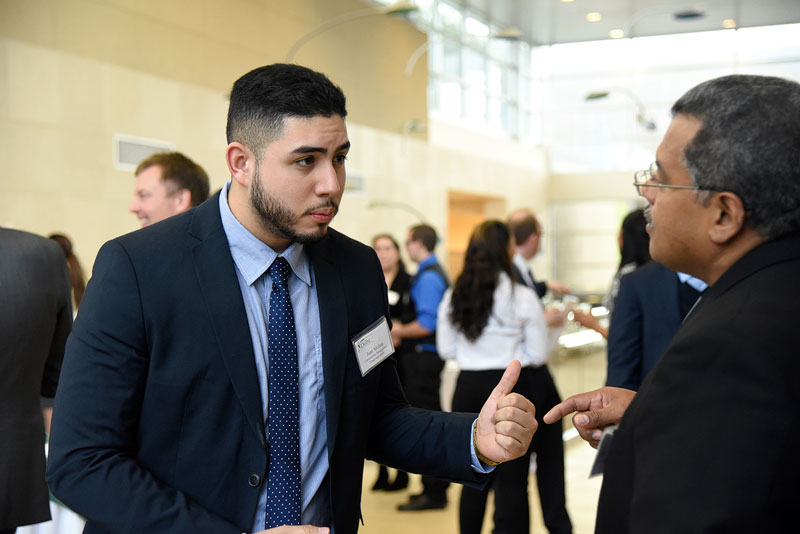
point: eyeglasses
(646, 178)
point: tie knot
(279, 271)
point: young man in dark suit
(709, 444)
(225, 374)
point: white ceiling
(555, 21)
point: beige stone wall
(75, 72)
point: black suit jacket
(158, 424)
(35, 319)
(646, 316)
(710, 442)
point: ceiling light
(616, 33)
(567, 1)
(509, 34)
(594, 17)
(729, 23)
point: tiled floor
(576, 371)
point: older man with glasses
(709, 442)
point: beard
(276, 218)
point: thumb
(508, 381)
(593, 418)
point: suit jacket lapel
(333, 327)
(216, 274)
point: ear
(183, 199)
(729, 217)
(241, 163)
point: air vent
(129, 150)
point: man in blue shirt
(423, 367)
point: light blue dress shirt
(252, 258)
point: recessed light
(729, 23)
(616, 34)
(567, 1)
(594, 17)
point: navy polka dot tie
(283, 476)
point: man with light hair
(167, 184)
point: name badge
(373, 345)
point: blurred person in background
(35, 320)
(401, 309)
(167, 184)
(485, 321)
(527, 232)
(422, 367)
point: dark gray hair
(748, 144)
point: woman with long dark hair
(485, 321)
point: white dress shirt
(516, 331)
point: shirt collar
(251, 255)
(696, 283)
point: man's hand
(596, 410)
(506, 423)
(301, 529)
(559, 288)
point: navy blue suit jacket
(158, 424)
(646, 316)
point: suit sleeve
(52, 366)
(625, 338)
(92, 466)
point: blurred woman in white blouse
(484, 321)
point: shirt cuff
(477, 465)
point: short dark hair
(264, 98)
(523, 227)
(426, 234)
(179, 172)
(748, 144)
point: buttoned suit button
(254, 480)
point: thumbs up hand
(506, 423)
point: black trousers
(421, 378)
(510, 480)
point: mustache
(328, 204)
(648, 217)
